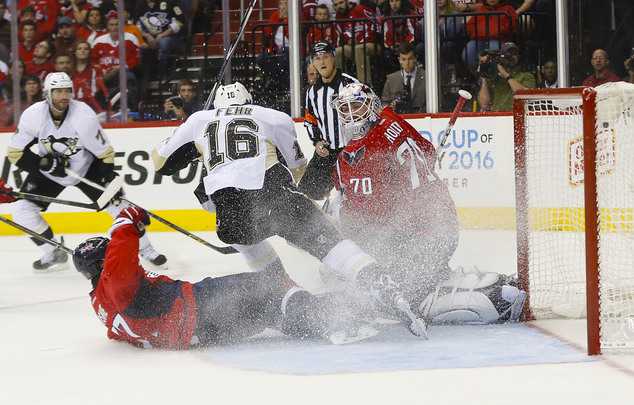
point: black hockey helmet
(88, 257)
(321, 47)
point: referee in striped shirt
(321, 121)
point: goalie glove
(54, 165)
(131, 215)
(4, 188)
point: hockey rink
(55, 350)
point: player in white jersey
(253, 160)
(68, 135)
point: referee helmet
(321, 47)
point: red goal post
(574, 170)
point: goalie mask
(232, 94)
(88, 257)
(358, 109)
(57, 80)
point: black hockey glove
(54, 165)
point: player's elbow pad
(177, 160)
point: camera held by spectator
(402, 103)
(177, 101)
(489, 68)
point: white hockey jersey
(80, 136)
(238, 144)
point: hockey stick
(36, 197)
(232, 48)
(36, 235)
(221, 249)
(464, 96)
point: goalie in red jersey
(394, 205)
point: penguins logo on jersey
(62, 146)
(354, 158)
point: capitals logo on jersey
(355, 157)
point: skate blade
(415, 325)
(341, 338)
(53, 268)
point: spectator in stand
(31, 93)
(309, 8)
(549, 75)
(66, 40)
(323, 32)
(93, 27)
(5, 26)
(26, 47)
(602, 73)
(45, 15)
(451, 30)
(184, 103)
(105, 53)
(131, 27)
(311, 74)
(404, 91)
(7, 91)
(63, 63)
(88, 79)
(489, 31)
(397, 30)
(499, 85)
(468, 6)
(358, 37)
(274, 59)
(42, 62)
(76, 10)
(161, 25)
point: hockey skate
(50, 262)
(387, 293)
(154, 257)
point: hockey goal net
(574, 153)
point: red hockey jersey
(363, 32)
(45, 15)
(137, 306)
(388, 180)
(105, 51)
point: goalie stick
(232, 48)
(37, 235)
(464, 96)
(220, 249)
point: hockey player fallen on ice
(394, 205)
(149, 310)
(253, 161)
(68, 135)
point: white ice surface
(54, 350)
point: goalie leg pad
(474, 297)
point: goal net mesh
(556, 210)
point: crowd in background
(80, 37)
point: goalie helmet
(57, 80)
(358, 109)
(232, 94)
(88, 257)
